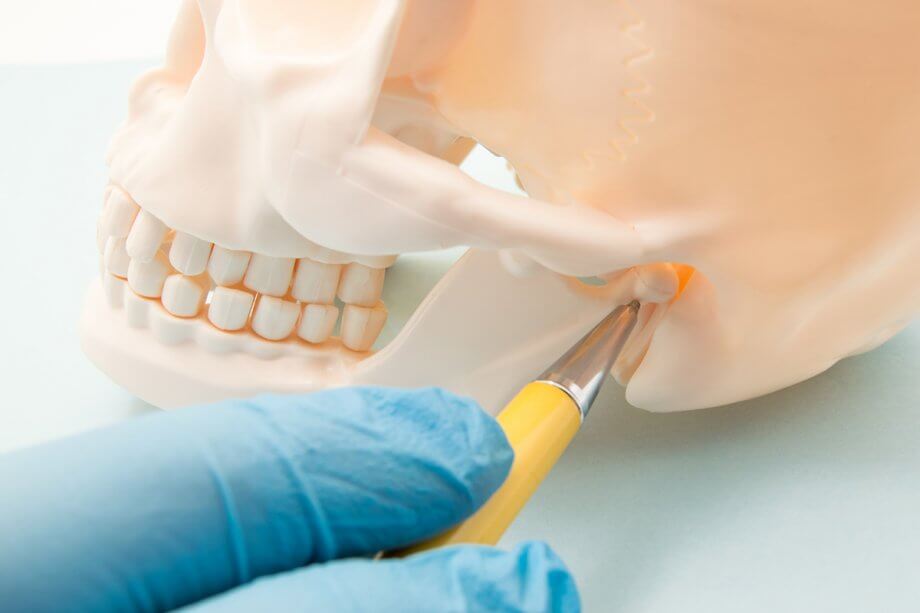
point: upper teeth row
(274, 295)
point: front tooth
(116, 257)
(145, 237)
(229, 308)
(189, 254)
(114, 291)
(227, 266)
(147, 278)
(118, 215)
(316, 282)
(361, 325)
(317, 322)
(275, 318)
(101, 236)
(361, 285)
(269, 275)
(182, 296)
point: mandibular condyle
(734, 169)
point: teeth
(147, 278)
(361, 285)
(182, 296)
(316, 282)
(101, 236)
(268, 275)
(114, 291)
(136, 310)
(376, 261)
(227, 267)
(317, 322)
(132, 242)
(188, 254)
(361, 326)
(230, 308)
(275, 318)
(116, 257)
(145, 237)
(118, 215)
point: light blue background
(804, 500)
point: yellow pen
(540, 422)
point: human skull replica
(748, 171)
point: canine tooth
(147, 278)
(226, 266)
(269, 275)
(116, 257)
(114, 291)
(189, 254)
(145, 237)
(229, 308)
(316, 282)
(182, 296)
(119, 214)
(362, 325)
(275, 318)
(317, 322)
(361, 285)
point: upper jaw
(274, 298)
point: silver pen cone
(581, 371)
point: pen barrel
(539, 422)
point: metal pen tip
(581, 371)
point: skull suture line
(749, 172)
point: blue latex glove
(252, 506)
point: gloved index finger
(163, 511)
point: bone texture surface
(748, 172)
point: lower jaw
(170, 361)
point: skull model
(748, 171)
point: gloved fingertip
(529, 578)
(462, 436)
(375, 467)
(450, 434)
(464, 578)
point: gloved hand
(265, 505)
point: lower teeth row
(276, 298)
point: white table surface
(804, 500)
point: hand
(267, 505)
